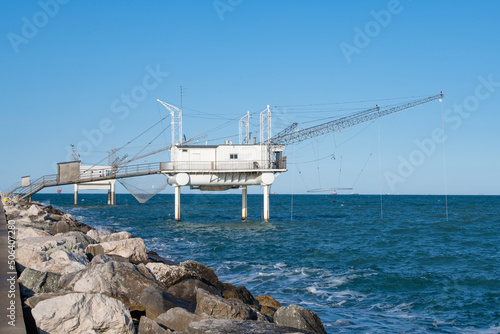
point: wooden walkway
(11, 313)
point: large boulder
(82, 313)
(299, 317)
(80, 237)
(224, 308)
(117, 236)
(178, 319)
(148, 326)
(169, 275)
(29, 232)
(33, 281)
(268, 305)
(132, 249)
(103, 258)
(204, 273)
(27, 258)
(125, 282)
(187, 289)
(156, 301)
(33, 301)
(242, 294)
(231, 326)
(62, 262)
(97, 235)
(34, 210)
(154, 257)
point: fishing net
(144, 187)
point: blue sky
(68, 66)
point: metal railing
(237, 165)
(88, 175)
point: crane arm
(289, 137)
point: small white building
(222, 167)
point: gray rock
(29, 232)
(132, 249)
(178, 319)
(242, 294)
(120, 280)
(81, 237)
(33, 281)
(224, 308)
(62, 262)
(116, 236)
(156, 301)
(34, 210)
(82, 313)
(103, 258)
(299, 317)
(33, 301)
(231, 326)
(97, 235)
(148, 326)
(169, 275)
(187, 289)
(154, 257)
(204, 273)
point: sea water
(364, 264)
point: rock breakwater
(76, 279)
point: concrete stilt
(244, 203)
(76, 194)
(266, 202)
(177, 203)
(112, 194)
(109, 195)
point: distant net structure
(322, 190)
(144, 187)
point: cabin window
(233, 156)
(184, 150)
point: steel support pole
(177, 203)
(244, 203)
(266, 203)
(76, 194)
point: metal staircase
(97, 175)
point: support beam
(266, 202)
(112, 197)
(244, 203)
(177, 203)
(76, 194)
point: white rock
(169, 275)
(82, 313)
(29, 232)
(26, 257)
(34, 210)
(117, 236)
(132, 249)
(97, 235)
(62, 262)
